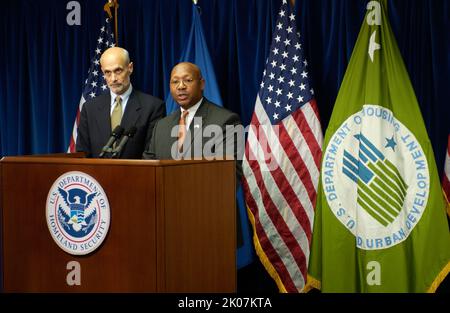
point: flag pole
(116, 18)
(107, 8)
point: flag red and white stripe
(282, 160)
(73, 138)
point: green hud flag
(380, 223)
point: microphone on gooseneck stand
(129, 134)
(115, 135)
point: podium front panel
(33, 262)
(199, 227)
(172, 227)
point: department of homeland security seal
(77, 213)
(375, 177)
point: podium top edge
(93, 161)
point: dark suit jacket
(94, 130)
(165, 136)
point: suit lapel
(196, 127)
(197, 122)
(104, 117)
(131, 113)
(171, 139)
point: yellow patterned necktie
(116, 115)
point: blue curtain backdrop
(45, 61)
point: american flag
(282, 159)
(446, 177)
(95, 83)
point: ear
(130, 67)
(202, 84)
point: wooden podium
(172, 227)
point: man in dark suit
(211, 132)
(123, 105)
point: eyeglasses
(187, 81)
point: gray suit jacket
(207, 136)
(94, 130)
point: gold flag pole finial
(195, 1)
(107, 8)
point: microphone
(115, 135)
(129, 134)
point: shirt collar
(124, 96)
(193, 108)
